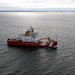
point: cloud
(33, 4)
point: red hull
(25, 44)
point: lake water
(42, 61)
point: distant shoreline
(41, 10)
(37, 11)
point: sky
(35, 4)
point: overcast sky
(34, 4)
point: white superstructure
(29, 36)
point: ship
(30, 39)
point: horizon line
(41, 10)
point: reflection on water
(27, 61)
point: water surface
(23, 61)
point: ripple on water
(23, 61)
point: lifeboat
(29, 40)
